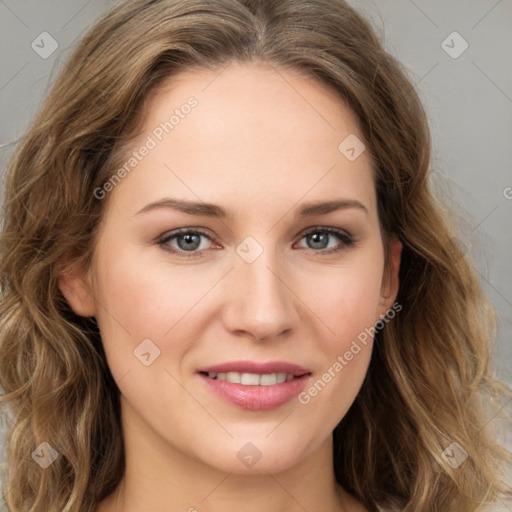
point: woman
(227, 284)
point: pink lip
(258, 368)
(256, 397)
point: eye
(188, 241)
(318, 238)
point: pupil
(189, 239)
(318, 238)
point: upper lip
(257, 368)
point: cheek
(142, 296)
(139, 301)
(346, 297)
(347, 303)
(145, 297)
(349, 310)
(147, 293)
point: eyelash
(344, 237)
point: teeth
(252, 379)
(268, 379)
(233, 377)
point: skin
(260, 143)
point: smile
(253, 379)
(254, 385)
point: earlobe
(76, 287)
(390, 279)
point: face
(205, 310)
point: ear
(390, 279)
(76, 286)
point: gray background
(468, 101)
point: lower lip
(256, 398)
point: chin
(259, 456)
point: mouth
(256, 386)
(251, 379)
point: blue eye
(189, 241)
(326, 232)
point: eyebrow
(213, 210)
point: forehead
(256, 134)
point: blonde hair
(429, 383)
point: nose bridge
(262, 303)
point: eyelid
(166, 237)
(328, 229)
(175, 232)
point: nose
(261, 299)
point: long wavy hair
(430, 382)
